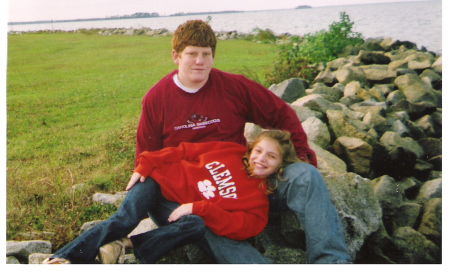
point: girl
(222, 185)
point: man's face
(194, 65)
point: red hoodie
(211, 176)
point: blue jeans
(305, 193)
(148, 247)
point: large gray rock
(356, 204)
(437, 65)
(314, 102)
(304, 113)
(391, 140)
(327, 77)
(368, 58)
(376, 121)
(354, 88)
(416, 247)
(251, 131)
(38, 258)
(431, 224)
(340, 126)
(327, 162)
(348, 74)
(26, 248)
(328, 93)
(290, 90)
(356, 153)
(317, 131)
(431, 146)
(431, 189)
(389, 194)
(379, 74)
(112, 199)
(415, 90)
(406, 215)
(427, 124)
(12, 260)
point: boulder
(437, 65)
(327, 77)
(356, 153)
(289, 90)
(317, 131)
(38, 258)
(395, 97)
(431, 146)
(304, 113)
(314, 102)
(379, 74)
(388, 194)
(426, 123)
(430, 189)
(349, 74)
(328, 93)
(416, 247)
(340, 126)
(376, 121)
(368, 58)
(431, 224)
(23, 249)
(355, 201)
(251, 131)
(112, 199)
(327, 162)
(407, 215)
(391, 140)
(415, 90)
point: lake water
(417, 22)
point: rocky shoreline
(374, 118)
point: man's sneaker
(113, 252)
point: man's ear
(175, 57)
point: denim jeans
(305, 193)
(149, 246)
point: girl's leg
(150, 246)
(139, 200)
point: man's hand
(134, 179)
(182, 210)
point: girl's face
(265, 157)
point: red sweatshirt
(212, 177)
(217, 112)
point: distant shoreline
(153, 15)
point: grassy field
(73, 105)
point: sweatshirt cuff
(197, 207)
(142, 170)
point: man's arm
(149, 132)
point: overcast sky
(36, 10)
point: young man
(197, 103)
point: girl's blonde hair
(289, 156)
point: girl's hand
(134, 179)
(182, 210)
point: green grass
(73, 105)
